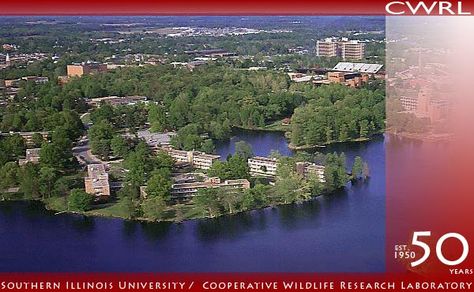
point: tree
(179, 111)
(157, 118)
(128, 190)
(104, 113)
(231, 200)
(28, 179)
(119, 146)
(58, 154)
(234, 168)
(127, 206)
(163, 160)
(102, 148)
(159, 184)
(79, 200)
(8, 175)
(243, 149)
(292, 189)
(188, 138)
(357, 167)
(37, 139)
(14, 146)
(154, 208)
(207, 200)
(208, 146)
(364, 128)
(100, 136)
(140, 164)
(47, 178)
(335, 171)
(49, 155)
(255, 197)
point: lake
(341, 232)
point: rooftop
(95, 170)
(357, 67)
(261, 158)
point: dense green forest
(209, 100)
(339, 114)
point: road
(83, 153)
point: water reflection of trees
(299, 215)
(82, 223)
(230, 227)
(155, 231)
(129, 228)
(292, 217)
(34, 210)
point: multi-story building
(423, 105)
(196, 159)
(97, 181)
(154, 140)
(12, 82)
(79, 69)
(202, 160)
(343, 48)
(352, 50)
(32, 156)
(186, 190)
(179, 156)
(262, 166)
(307, 168)
(349, 79)
(409, 103)
(327, 48)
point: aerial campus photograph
(193, 144)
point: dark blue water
(343, 232)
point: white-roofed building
(357, 67)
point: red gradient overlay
(430, 157)
(203, 7)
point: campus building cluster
(350, 74)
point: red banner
(245, 7)
(228, 282)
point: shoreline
(309, 147)
(92, 214)
(293, 147)
(50, 206)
